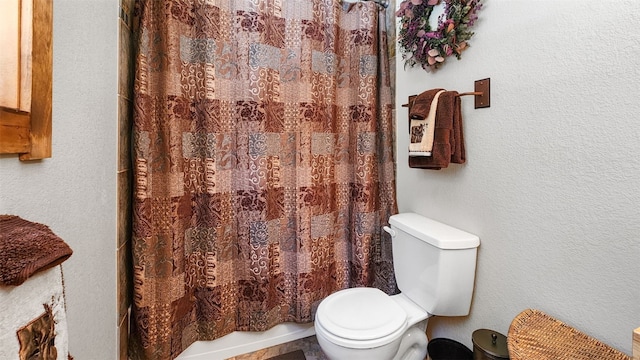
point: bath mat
(294, 355)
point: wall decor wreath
(427, 47)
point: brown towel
(26, 248)
(419, 109)
(423, 130)
(448, 143)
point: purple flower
(433, 35)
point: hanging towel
(27, 248)
(448, 140)
(420, 106)
(422, 127)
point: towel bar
(481, 92)
(476, 93)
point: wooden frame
(636, 344)
(29, 133)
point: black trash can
(447, 349)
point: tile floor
(308, 345)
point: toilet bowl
(366, 323)
(435, 270)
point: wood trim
(636, 344)
(42, 83)
(10, 53)
(36, 142)
(14, 132)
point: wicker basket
(534, 335)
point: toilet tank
(434, 263)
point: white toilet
(435, 268)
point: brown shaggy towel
(26, 248)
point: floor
(308, 345)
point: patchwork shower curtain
(263, 163)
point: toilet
(435, 268)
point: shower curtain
(264, 170)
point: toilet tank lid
(433, 232)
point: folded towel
(448, 140)
(419, 108)
(27, 248)
(422, 130)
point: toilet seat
(361, 318)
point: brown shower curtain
(264, 165)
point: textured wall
(74, 192)
(552, 180)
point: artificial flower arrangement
(427, 47)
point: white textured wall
(552, 180)
(74, 192)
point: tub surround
(242, 342)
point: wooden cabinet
(26, 78)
